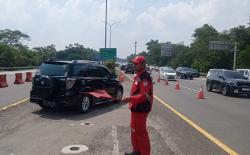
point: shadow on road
(72, 113)
(242, 96)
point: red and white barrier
(19, 78)
(28, 77)
(3, 81)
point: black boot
(132, 153)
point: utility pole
(249, 21)
(235, 49)
(135, 47)
(106, 14)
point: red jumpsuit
(140, 105)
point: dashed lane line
(199, 129)
(14, 104)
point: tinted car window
(94, 71)
(104, 72)
(78, 70)
(233, 75)
(58, 69)
(214, 73)
(169, 71)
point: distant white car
(245, 72)
(167, 73)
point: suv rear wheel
(118, 95)
(85, 104)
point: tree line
(198, 55)
(13, 53)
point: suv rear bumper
(69, 100)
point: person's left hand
(125, 100)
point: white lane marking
(192, 81)
(115, 140)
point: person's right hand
(125, 100)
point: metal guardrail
(17, 68)
(203, 74)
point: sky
(64, 22)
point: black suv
(195, 73)
(184, 72)
(67, 83)
(228, 82)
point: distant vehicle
(228, 82)
(245, 72)
(62, 84)
(167, 73)
(168, 67)
(123, 67)
(129, 68)
(156, 68)
(195, 73)
(184, 72)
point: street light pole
(135, 47)
(110, 26)
(235, 50)
(106, 14)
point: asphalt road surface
(29, 130)
(226, 118)
(14, 93)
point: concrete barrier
(3, 81)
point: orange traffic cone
(166, 82)
(200, 94)
(159, 79)
(177, 86)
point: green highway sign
(108, 53)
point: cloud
(61, 22)
(176, 22)
(64, 22)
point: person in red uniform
(140, 103)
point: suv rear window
(78, 70)
(50, 69)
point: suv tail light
(70, 83)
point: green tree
(13, 38)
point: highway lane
(227, 118)
(14, 93)
(28, 129)
(214, 117)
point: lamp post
(110, 26)
(135, 47)
(106, 14)
(235, 50)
